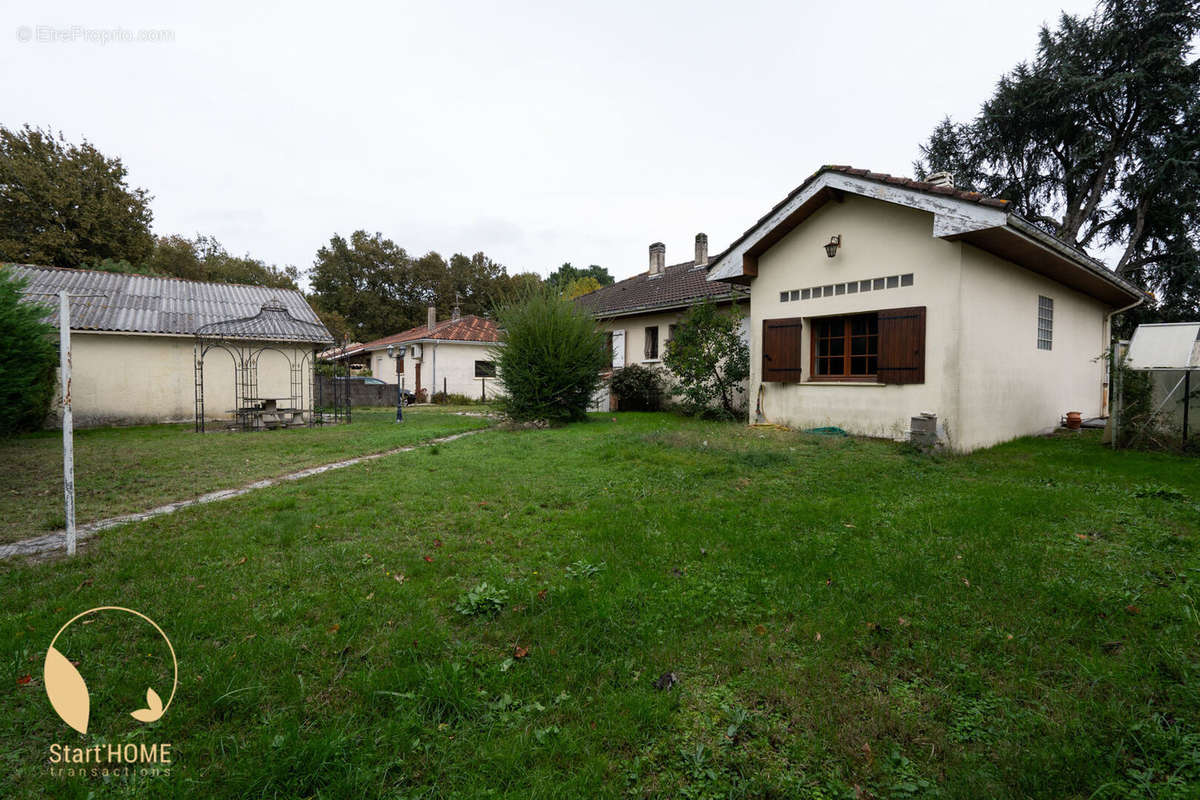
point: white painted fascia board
(951, 216)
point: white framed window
(1045, 323)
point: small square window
(878, 283)
(893, 281)
(829, 290)
(805, 294)
(795, 294)
(864, 286)
(840, 288)
(783, 297)
(906, 280)
(852, 287)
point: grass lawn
(839, 613)
(120, 470)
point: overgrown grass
(837, 613)
(119, 470)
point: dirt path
(56, 541)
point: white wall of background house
(443, 363)
(124, 379)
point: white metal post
(64, 360)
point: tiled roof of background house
(468, 328)
(112, 301)
(678, 285)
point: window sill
(651, 360)
(842, 383)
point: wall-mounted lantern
(834, 243)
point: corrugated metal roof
(148, 304)
(1168, 345)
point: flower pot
(1074, 420)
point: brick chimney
(658, 258)
(701, 250)
(941, 179)
(432, 318)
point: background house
(133, 342)
(934, 300)
(453, 355)
(640, 313)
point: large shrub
(637, 388)
(710, 360)
(28, 356)
(549, 358)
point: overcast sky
(536, 132)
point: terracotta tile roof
(469, 328)
(679, 284)
(909, 183)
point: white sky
(536, 132)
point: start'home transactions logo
(69, 696)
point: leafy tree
(368, 280)
(562, 277)
(581, 286)
(380, 289)
(205, 259)
(63, 204)
(709, 359)
(27, 359)
(549, 358)
(1097, 140)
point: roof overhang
(988, 227)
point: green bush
(637, 388)
(549, 358)
(28, 355)
(454, 399)
(710, 361)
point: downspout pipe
(1105, 405)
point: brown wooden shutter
(781, 341)
(902, 345)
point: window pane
(837, 346)
(906, 280)
(841, 288)
(864, 286)
(893, 281)
(783, 297)
(859, 346)
(795, 294)
(805, 294)
(858, 365)
(872, 365)
(878, 283)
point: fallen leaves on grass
(398, 578)
(334, 628)
(1132, 609)
(24, 679)
(428, 559)
(520, 652)
(542, 594)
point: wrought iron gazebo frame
(245, 339)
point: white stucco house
(135, 349)
(454, 355)
(875, 299)
(639, 314)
